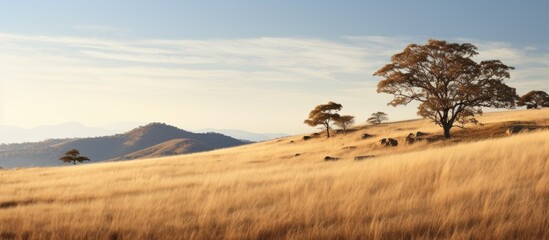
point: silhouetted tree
(344, 122)
(534, 99)
(446, 81)
(377, 118)
(73, 156)
(323, 115)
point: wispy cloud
(207, 73)
(285, 60)
(102, 29)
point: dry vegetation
(470, 187)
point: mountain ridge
(245, 135)
(11, 134)
(47, 152)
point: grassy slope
(496, 188)
(168, 148)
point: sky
(259, 66)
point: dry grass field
(481, 184)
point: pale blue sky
(251, 65)
(521, 22)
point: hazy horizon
(239, 65)
(14, 135)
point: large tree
(324, 115)
(446, 81)
(73, 156)
(534, 99)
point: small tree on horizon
(446, 81)
(377, 118)
(344, 122)
(534, 99)
(323, 115)
(73, 156)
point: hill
(168, 148)
(130, 145)
(482, 184)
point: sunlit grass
(488, 189)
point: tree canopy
(377, 118)
(73, 156)
(446, 81)
(534, 99)
(344, 122)
(324, 115)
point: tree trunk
(327, 132)
(447, 130)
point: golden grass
(490, 189)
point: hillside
(482, 184)
(168, 148)
(118, 146)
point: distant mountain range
(152, 140)
(10, 134)
(244, 135)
